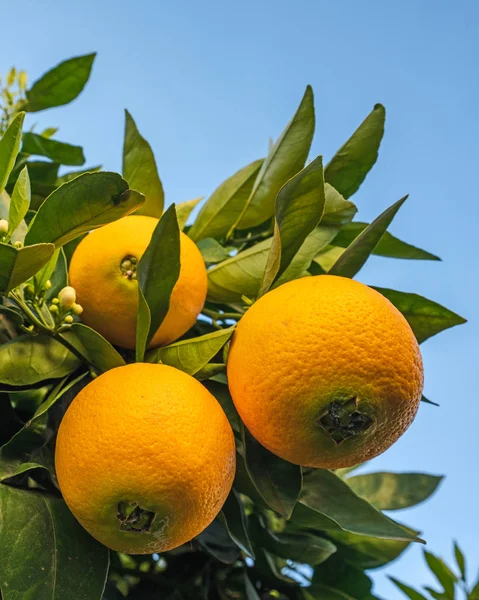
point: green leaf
(221, 392)
(285, 159)
(183, 211)
(139, 169)
(46, 272)
(474, 594)
(45, 553)
(19, 203)
(460, 561)
(13, 315)
(210, 370)
(442, 573)
(19, 264)
(224, 206)
(426, 318)
(242, 274)
(85, 203)
(60, 85)
(28, 360)
(388, 245)
(66, 177)
(408, 591)
(302, 547)
(58, 152)
(192, 354)
(325, 592)
(9, 147)
(348, 578)
(357, 253)
(251, 593)
(216, 541)
(59, 277)
(97, 351)
(427, 401)
(352, 162)
(157, 273)
(337, 210)
(394, 491)
(338, 507)
(298, 209)
(234, 519)
(212, 251)
(278, 482)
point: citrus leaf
(28, 360)
(45, 553)
(212, 251)
(426, 318)
(42, 276)
(139, 169)
(299, 207)
(285, 159)
(19, 202)
(184, 209)
(9, 147)
(210, 370)
(19, 234)
(95, 349)
(325, 592)
(357, 253)
(347, 578)
(337, 210)
(19, 264)
(216, 541)
(221, 392)
(278, 482)
(427, 401)
(224, 206)
(157, 273)
(388, 245)
(60, 85)
(59, 277)
(474, 595)
(338, 507)
(394, 491)
(66, 177)
(353, 161)
(460, 561)
(233, 517)
(411, 593)
(242, 274)
(84, 203)
(193, 354)
(302, 547)
(251, 593)
(11, 314)
(58, 152)
(442, 572)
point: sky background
(210, 82)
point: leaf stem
(217, 316)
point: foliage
(284, 532)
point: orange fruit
(325, 372)
(145, 458)
(102, 271)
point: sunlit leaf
(19, 264)
(9, 147)
(19, 202)
(58, 152)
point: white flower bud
(67, 297)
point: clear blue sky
(209, 83)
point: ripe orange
(325, 372)
(103, 275)
(145, 458)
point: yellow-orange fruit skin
(318, 340)
(151, 435)
(110, 300)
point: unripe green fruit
(67, 297)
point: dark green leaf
(339, 574)
(278, 482)
(408, 591)
(66, 177)
(242, 274)
(426, 318)
(474, 595)
(9, 147)
(19, 203)
(216, 540)
(234, 519)
(11, 314)
(442, 573)
(139, 169)
(337, 210)
(388, 245)
(45, 553)
(221, 392)
(460, 560)
(284, 160)
(158, 271)
(184, 209)
(212, 251)
(97, 351)
(251, 593)
(19, 264)
(355, 255)
(339, 507)
(394, 491)
(299, 207)
(28, 360)
(85, 203)
(325, 592)
(58, 152)
(60, 85)
(224, 206)
(353, 161)
(427, 401)
(192, 354)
